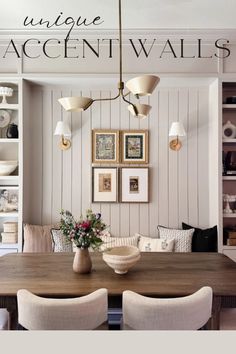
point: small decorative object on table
(121, 258)
(84, 233)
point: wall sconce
(177, 129)
(64, 131)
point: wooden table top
(156, 274)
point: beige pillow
(110, 241)
(150, 244)
(37, 238)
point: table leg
(10, 303)
(214, 321)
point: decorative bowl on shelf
(121, 258)
(7, 167)
(5, 92)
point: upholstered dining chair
(82, 313)
(186, 313)
(4, 320)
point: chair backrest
(83, 313)
(4, 320)
(186, 313)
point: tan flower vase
(82, 262)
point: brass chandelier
(138, 86)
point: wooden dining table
(156, 275)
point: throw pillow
(61, 244)
(111, 241)
(150, 244)
(37, 238)
(183, 238)
(204, 240)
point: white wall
(179, 185)
(136, 13)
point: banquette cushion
(204, 240)
(183, 238)
(37, 238)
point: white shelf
(225, 141)
(6, 140)
(9, 215)
(229, 178)
(8, 245)
(9, 106)
(233, 215)
(9, 178)
(225, 247)
(229, 106)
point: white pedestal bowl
(121, 258)
(7, 167)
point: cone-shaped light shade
(143, 85)
(142, 109)
(75, 104)
(62, 128)
(177, 129)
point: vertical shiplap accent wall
(179, 182)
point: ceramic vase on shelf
(12, 131)
(82, 262)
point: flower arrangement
(85, 232)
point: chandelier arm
(132, 104)
(108, 99)
(126, 94)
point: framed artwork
(104, 185)
(134, 146)
(134, 185)
(105, 146)
(8, 199)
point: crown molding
(162, 34)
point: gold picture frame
(134, 146)
(105, 146)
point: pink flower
(85, 225)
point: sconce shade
(75, 104)
(143, 85)
(177, 129)
(142, 109)
(62, 128)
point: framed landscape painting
(104, 185)
(134, 146)
(105, 146)
(134, 185)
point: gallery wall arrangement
(178, 191)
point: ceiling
(137, 14)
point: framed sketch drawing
(104, 185)
(8, 199)
(134, 185)
(105, 146)
(134, 146)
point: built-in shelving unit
(11, 149)
(228, 182)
